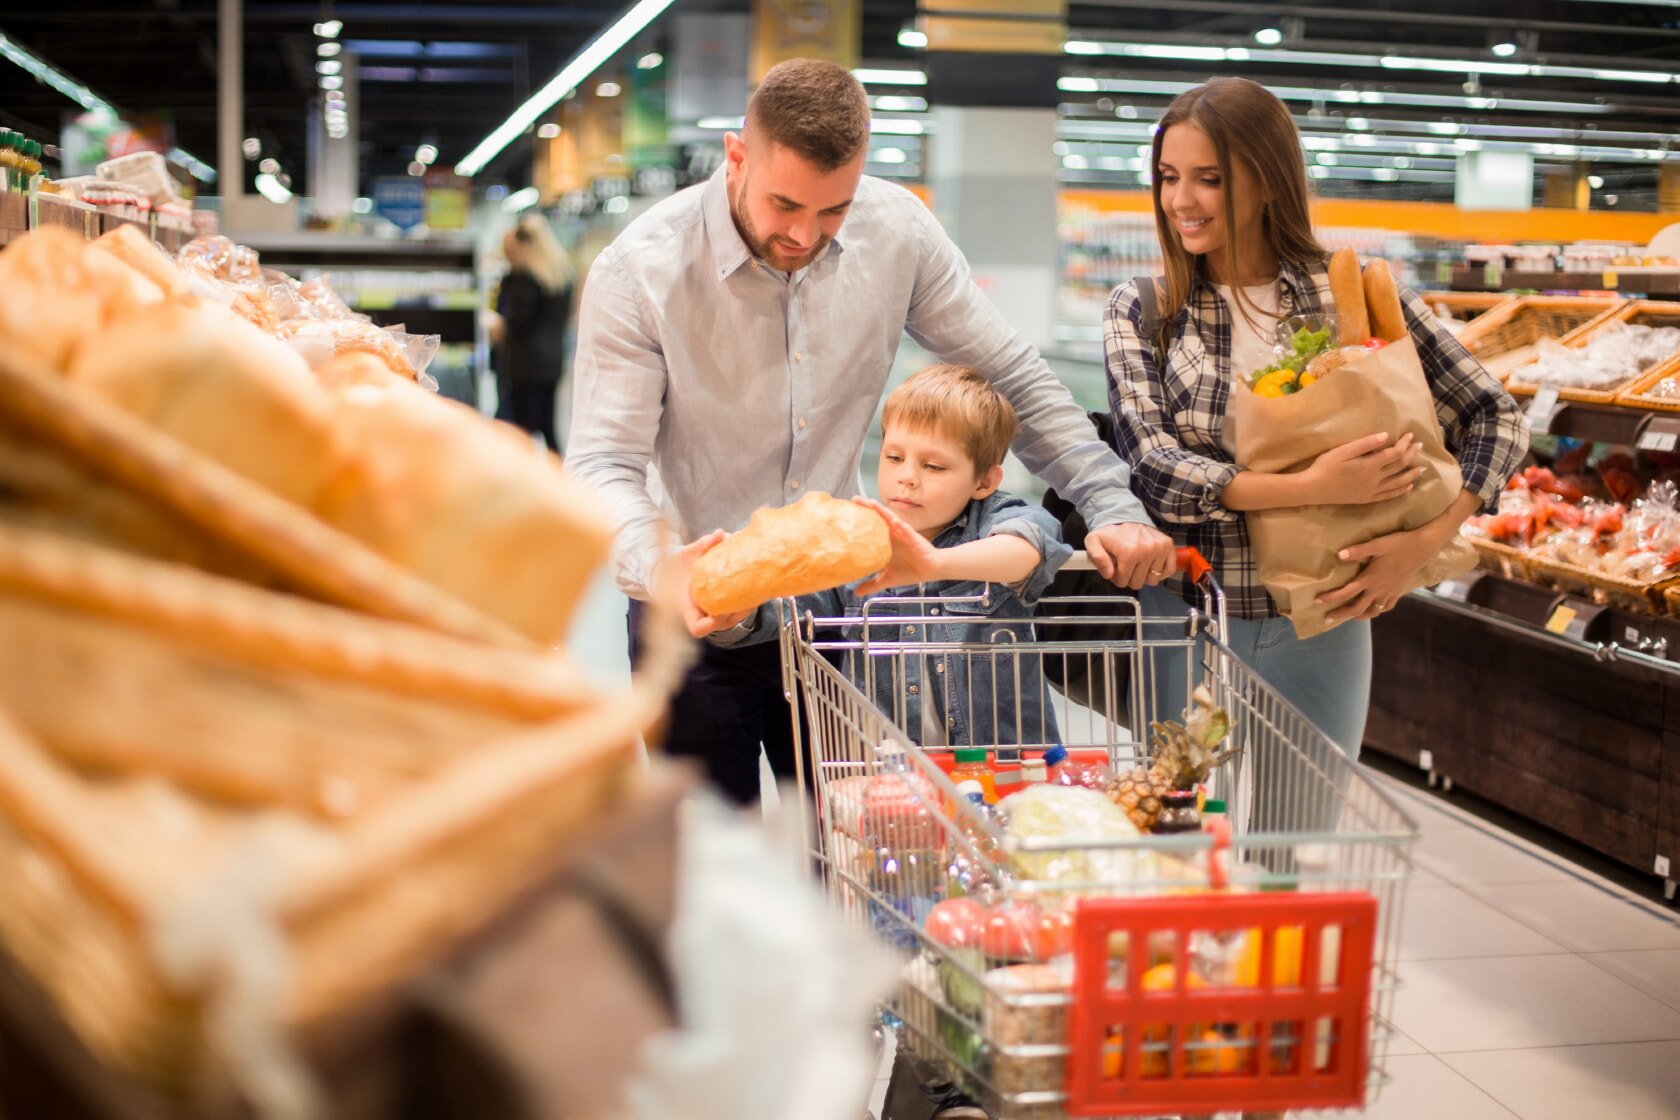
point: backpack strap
(1149, 307)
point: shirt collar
(729, 249)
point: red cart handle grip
(1192, 563)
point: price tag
(1492, 273)
(1658, 441)
(1456, 589)
(1542, 408)
(1561, 619)
(1443, 272)
(1611, 280)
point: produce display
(1625, 538)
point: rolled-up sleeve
(617, 408)
(951, 317)
(1176, 486)
(1035, 525)
(1484, 428)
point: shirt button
(798, 356)
(939, 668)
(934, 610)
(802, 423)
(909, 629)
(794, 485)
(950, 721)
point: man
(733, 345)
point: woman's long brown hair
(1244, 121)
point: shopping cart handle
(1190, 561)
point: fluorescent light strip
(269, 187)
(1091, 48)
(571, 75)
(43, 71)
(1084, 84)
(874, 77)
(522, 198)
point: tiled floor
(1534, 990)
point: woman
(533, 308)
(1231, 212)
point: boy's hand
(1131, 555)
(913, 560)
(670, 582)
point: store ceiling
(446, 73)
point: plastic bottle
(1064, 771)
(968, 873)
(972, 764)
(1034, 771)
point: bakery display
(817, 543)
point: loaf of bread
(54, 292)
(1382, 300)
(220, 385)
(817, 543)
(471, 505)
(1353, 326)
(127, 244)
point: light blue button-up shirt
(710, 384)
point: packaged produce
(1074, 816)
(1061, 770)
(1555, 520)
(1614, 355)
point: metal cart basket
(1089, 970)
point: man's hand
(913, 560)
(1131, 555)
(670, 583)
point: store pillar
(1668, 187)
(992, 67)
(1566, 188)
(1494, 181)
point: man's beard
(766, 249)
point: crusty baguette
(1383, 300)
(1353, 325)
(817, 543)
(127, 244)
(54, 292)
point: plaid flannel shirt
(1168, 419)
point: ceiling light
(328, 49)
(1268, 36)
(888, 155)
(1358, 123)
(608, 43)
(548, 131)
(1386, 174)
(332, 82)
(1467, 145)
(520, 199)
(335, 97)
(897, 127)
(1236, 54)
(1328, 159)
(362, 206)
(1318, 172)
(272, 189)
(1425, 148)
(1596, 182)
(329, 29)
(269, 166)
(1504, 50)
(1402, 162)
(650, 61)
(1445, 128)
(720, 124)
(608, 89)
(328, 66)
(912, 39)
(897, 103)
(416, 168)
(1362, 140)
(251, 146)
(426, 153)
(870, 76)
(495, 192)
(1126, 112)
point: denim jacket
(914, 670)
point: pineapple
(1185, 754)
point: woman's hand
(1394, 561)
(1363, 472)
(914, 559)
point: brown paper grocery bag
(1295, 549)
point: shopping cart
(1248, 966)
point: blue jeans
(1327, 677)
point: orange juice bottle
(973, 766)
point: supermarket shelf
(1653, 282)
(1562, 621)
(1642, 428)
(340, 249)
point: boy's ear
(988, 483)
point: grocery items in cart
(1082, 966)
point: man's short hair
(815, 109)
(960, 404)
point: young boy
(965, 551)
(985, 555)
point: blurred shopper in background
(529, 331)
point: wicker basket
(1505, 337)
(1641, 393)
(1671, 601)
(1465, 307)
(1608, 590)
(1503, 559)
(1643, 312)
(188, 939)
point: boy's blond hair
(960, 404)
